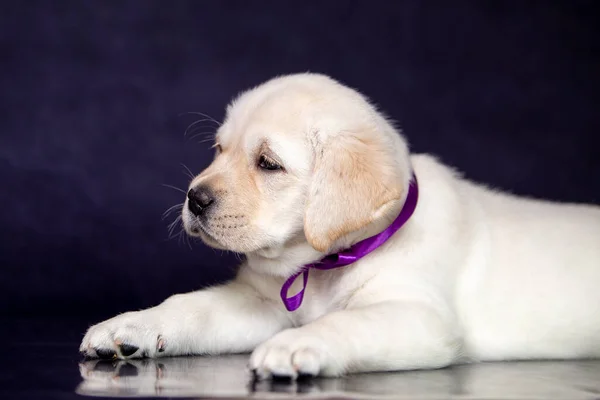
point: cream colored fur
(474, 275)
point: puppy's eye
(268, 164)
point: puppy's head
(300, 158)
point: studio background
(91, 125)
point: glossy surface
(227, 376)
(41, 361)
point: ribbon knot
(352, 254)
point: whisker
(194, 126)
(179, 235)
(189, 172)
(171, 209)
(175, 188)
(203, 115)
(205, 140)
(210, 135)
(172, 225)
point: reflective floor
(43, 363)
(227, 377)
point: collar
(354, 253)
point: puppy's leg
(380, 337)
(224, 319)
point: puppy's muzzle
(200, 199)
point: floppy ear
(355, 176)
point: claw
(160, 344)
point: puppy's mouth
(198, 229)
(194, 226)
(219, 230)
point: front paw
(129, 335)
(293, 354)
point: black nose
(199, 199)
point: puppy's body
(473, 275)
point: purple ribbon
(355, 252)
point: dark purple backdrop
(91, 93)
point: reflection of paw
(189, 377)
(129, 335)
(293, 354)
(303, 386)
(121, 378)
(114, 369)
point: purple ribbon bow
(355, 252)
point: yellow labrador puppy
(362, 257)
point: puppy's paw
(129, 335)
(293, 354)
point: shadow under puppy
(400, 262)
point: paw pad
(106, 354)
(127, 349)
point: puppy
(305, 173)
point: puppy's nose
(199, 199)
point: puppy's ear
(355, 178)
